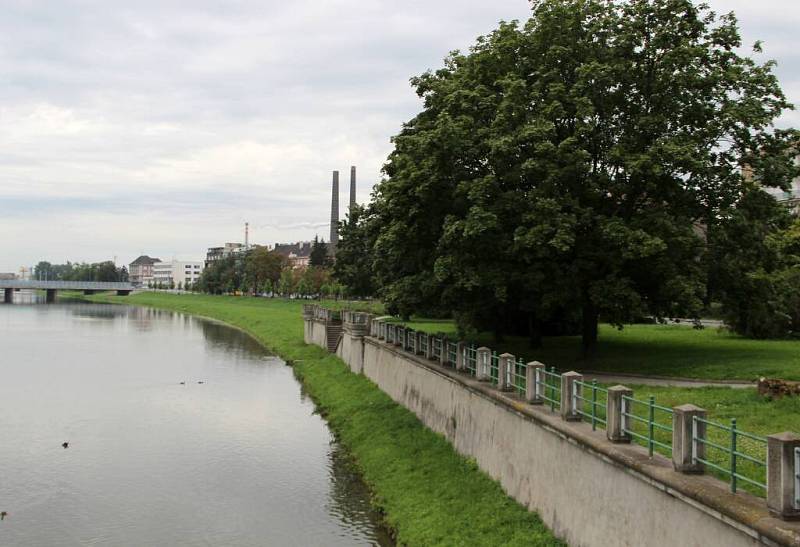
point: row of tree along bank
(604, 160)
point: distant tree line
(80, 271)
(602, 162)
(264, 272)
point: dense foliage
(265, 272)
(80, 271)
(564, 170)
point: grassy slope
(430, 495)
(658, 350)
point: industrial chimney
(335, 211)
(352, 186)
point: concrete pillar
(533, 392)
(505, 361)
(461, 363)
(443, 354)
(569, 401)
(616, 422)
(483, 358)
(783, 475)
(50, 296)
(683, 449)
(8, 296)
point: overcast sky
(161, 126)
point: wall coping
(743, 511)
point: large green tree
(564, 166)
(354, 261)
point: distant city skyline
(148, 128)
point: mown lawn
(428, 493)
(661, 350)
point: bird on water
(183, 383)
(65, 444)
(201, 382)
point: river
(240, 459)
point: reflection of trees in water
(99, 311)
(349, 499)
(218, 335)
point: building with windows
(177, 273)
(140, 271)
(298, 254)
(218, 253)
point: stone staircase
(333, 336)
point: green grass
(660, 350)
(428, 493)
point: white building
(177, 273)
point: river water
(241, 459)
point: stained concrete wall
(582, 498)
(351, 351)
(589, 491)
(318, 333)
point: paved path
(616, 378)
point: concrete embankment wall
(588, 490)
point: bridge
(51, 287)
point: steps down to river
(334, 336)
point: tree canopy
(562, 171)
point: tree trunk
(534, 331)
(589, 329)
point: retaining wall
(589, 491)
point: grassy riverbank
(428, 493)
(659, 350)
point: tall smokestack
(246, 236)
(335, 211)
(352, 186)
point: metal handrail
(732, 451)
(452, 353)
(650, 422)
(519, 376)
(494, 368)
(578, 402)
(797, 478)
(548, 391)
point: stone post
(505, 361)
(532, 392)
(461, 363)
(783, 475)
(483, 359)
(683, 449)
(616, 422)
(569, 389)
(443, 353)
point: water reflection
(239, 460)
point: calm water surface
(238, 460)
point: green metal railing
(590, 402)
(548, 387)
(797, 478)
(519, 380)
(494, 368)
(650, 422)
(437, 348)
(470, 357)
(423, 343)
(411, 341)
(452, 353)
(735, 452)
